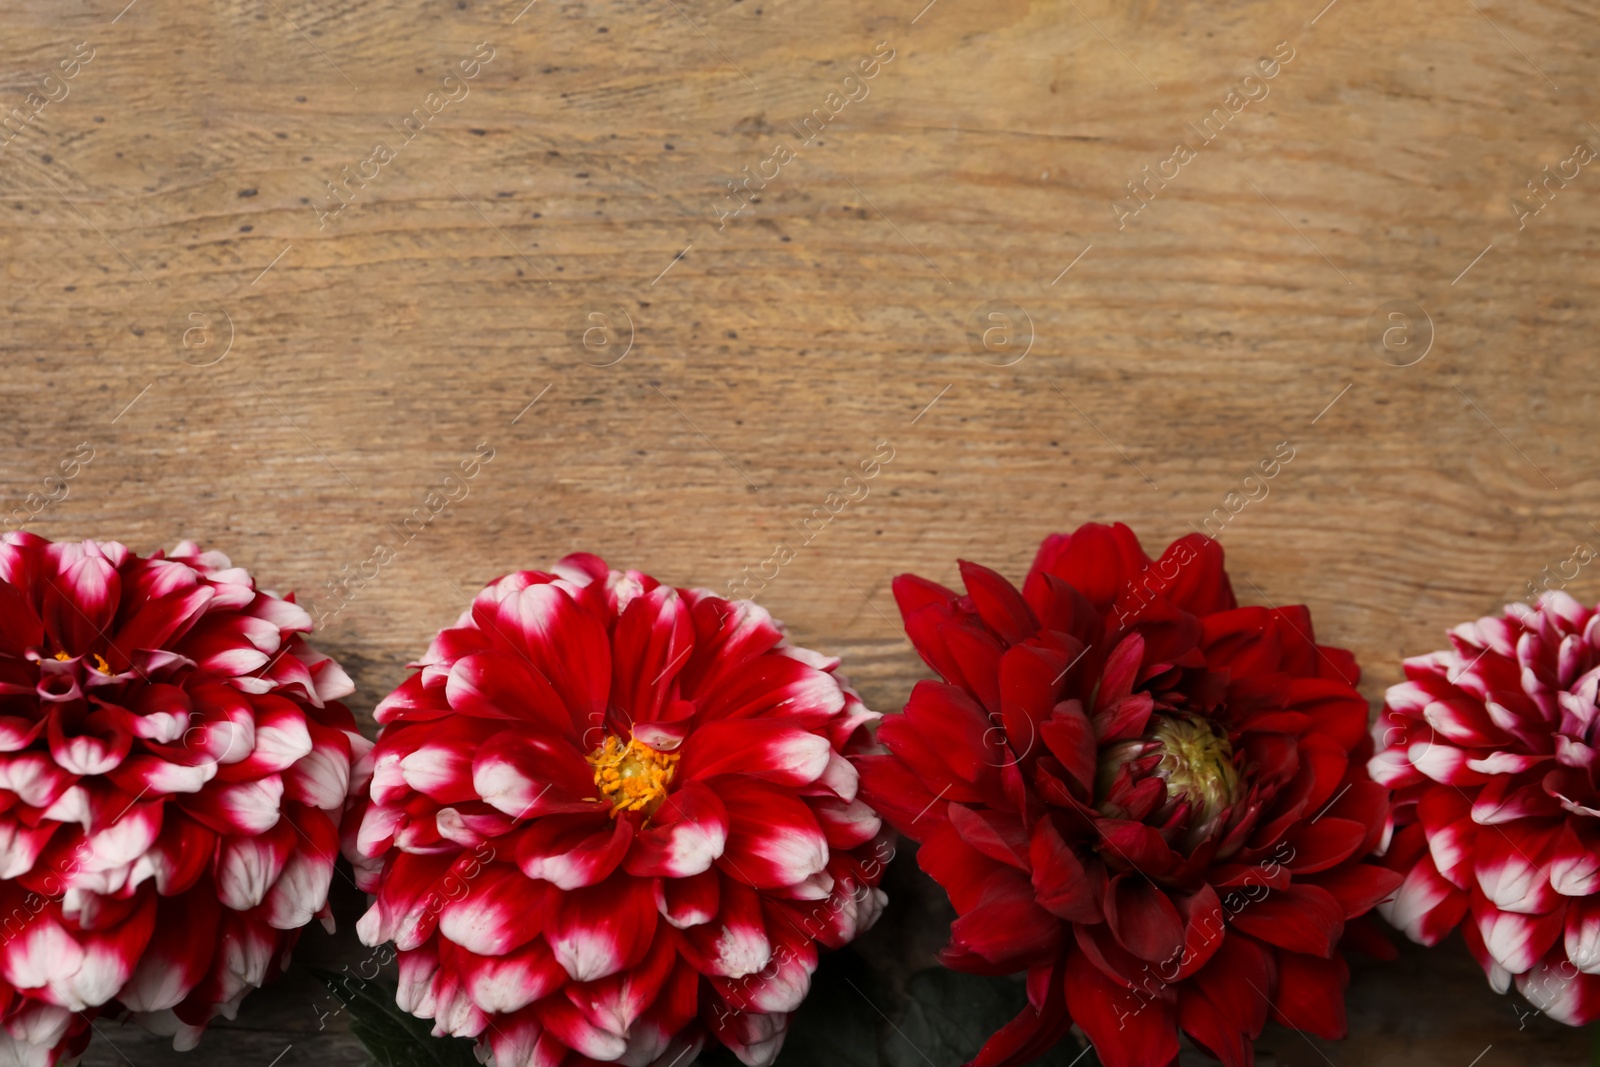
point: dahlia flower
(609, 818)
(174, 765)
(1150, 801)
(1489, 747)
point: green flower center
(1197, 764)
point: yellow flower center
(100, 663)
(633, 776)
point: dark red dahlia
(1490, 747)
(610, 817)
(1151, 801)
(174, 765)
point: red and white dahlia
(1150, 800)
(1491, 749)
(174, 765)
(609, 817)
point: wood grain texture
(771, 352)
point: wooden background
(164, 212)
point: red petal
(764, 748)
(1061, 883)
(564, 642)
(521, 1039)
(1243, 641)
(736, 942)
(1098, 560)
(570, 851)
(945, 735)
(977, 654)
(1120, 673)
(899, 794)
(527, 776)
(928, 613)
(1575, 860)
(80, 601)
(1030, 678)
(1042, 1023)
(1006, 926)
(771, 685)
(499, 985)
(1426, 907)
(995, 834)
(1310, 994)
(1573, 999)
(1062, 609)
(730, 635)
(1516, 942)
(246, 867)
(1512, 866)
(773, 839)
(1359, 887)
(1582, 941)
(1071, 740)
(1201, 586)
(498, 684)
(1143, 918)
(912, 593)
(960, 869)
(686, 902)
(664, 1030)
(612, 1004)
(493, 916)
(179, 953)
(1504, 798)
(20, 626)
(1127, 1030)
(684, 838)
(1202, 1021)
(847, 825)
(1204, 927)
(181, 854)
(1323, 843)
(562, 1018)
(602, 929)
(999, 604)
(1302, 918)
(1133, 844)
(782, 984)
(1236, 982)
(653, 639)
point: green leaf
(392, 1037)
(951, 1015)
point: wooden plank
(585, 168)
